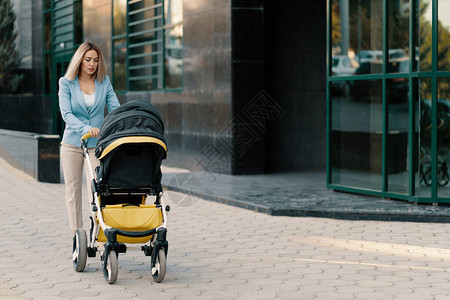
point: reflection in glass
(173, 52)
(443, 35)
(48, 75)
(78, 22)
(97, 26)
(48, 31)
(423, 104)
(63, 25)
(173, 66)
(443, 137)
(356, 139)
(173, 11)
(119, 17)
(422, 51)
(397, 136)
(357, 32)
(47, 4)
(120, 67)
(398, 36)
(145, 25)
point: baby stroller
(127, 205)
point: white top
(89, 99)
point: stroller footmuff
(127, 205)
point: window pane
(78, 23)
(173, 65)
(173, 11)
(120, 67)
(145, 46)
(444, 35)
(47, 4)
(173, 48)
(48, 77)
(119, 17)
(443, 155)
(97, 25)
(48, 32)
(423, 180)
(398, 36)
(397, 138)
(423, 36)
(357, 135)
(357, 32)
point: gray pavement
(297, 194)
(220, 251)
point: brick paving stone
(332, 295)
(223, 252)
(7, 291)
(259, 294)
(44, 292)
(293, 295)
(374, 283)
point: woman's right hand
(94, 131)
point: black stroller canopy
(133, 119)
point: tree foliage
(10, 79)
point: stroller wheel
(443, 178)
(159, 267)
(111, 268)
(79, 250)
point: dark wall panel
(295, 65)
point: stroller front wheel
(159, 267)
(79, 250)
(111, 268)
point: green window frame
(141, 56)
(62, 33)
(427, 78)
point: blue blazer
(79, 119)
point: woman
(84, 92)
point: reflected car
(174, 60)
(368, 55)
(342, 65)
(398, 89)
(360, 90)
(396, 54)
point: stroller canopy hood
(133, 122)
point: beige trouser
(72, 163)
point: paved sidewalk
(219, 251)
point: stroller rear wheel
(111, 268)
(159, 266)
(79, 250)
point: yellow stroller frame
(121, 224)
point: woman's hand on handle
(94, 131)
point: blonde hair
(74, 67)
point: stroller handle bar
(83, 141)
(85, 137)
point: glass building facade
(388, 98)
(141, 40)
(240, 85)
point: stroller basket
(132, 218)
